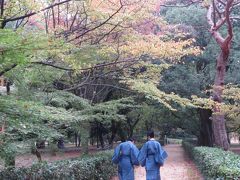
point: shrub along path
(177, 167)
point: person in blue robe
(125, 155)
(152, 156)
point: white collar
(152, 139)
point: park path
(177, 167)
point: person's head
(150, 134)
(131, 139)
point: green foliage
(87, 56)
(62, 99)
(231, 95)
(151, 92)
(158, 85)
(48, 116)
(179, 78)
(92, 167)
(194, 16)
(188, 147)
(109, 111)
(191, 16)
(35, 77)
(13, 47)
(215, 163)
(28, 121)
(20, 47)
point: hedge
(214, 162)
(97, 167)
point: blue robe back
(125, 155)
(152, 156)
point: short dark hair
(131, 139)
(150, 134)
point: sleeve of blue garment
(134, 155)
(142, 155)
(161, 155)
(164, 154)
(116, 155)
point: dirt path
(177, 167)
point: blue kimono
(125, 155)
(152, 156)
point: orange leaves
(139, 31)
(118, 28)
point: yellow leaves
(25, 106)
(20, 7)
(206, 3)
(232, 92)
(230, 106)
(131, 13)
(157, 48)
(151, 73)
(150, 90)
(204, 103)
(132, 32)
(87, 56)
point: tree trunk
(114, 129)
(206, 131)
(218, 117)
(8, 87)
(122, 134)
(101, 140)
(216, 22)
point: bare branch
(87, 69)
(52, 65)
(33, 13)
(235, 17)
(7, 69)
(101, 24)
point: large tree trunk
(206, 131)
(218, 118)
(217, 20)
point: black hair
(150, 134)
(130, 139)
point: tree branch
(33, 13)
(7, 69)
(229, 23)
(235, 17)
(52, 65)
(2, 8)
(101, 24)
(214, 27)
(86, 69)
